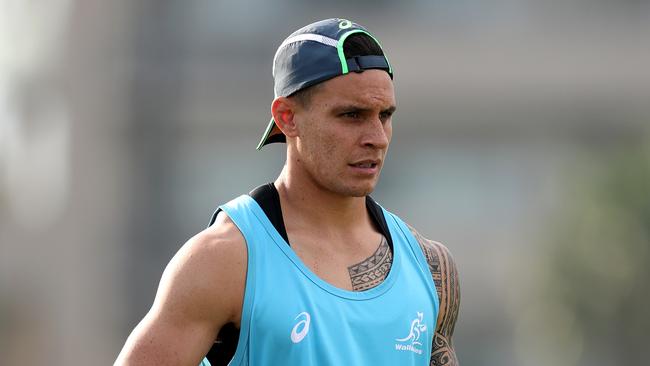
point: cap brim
(271, 134)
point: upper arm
(445, 276)
(200, 291)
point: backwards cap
(314, 54)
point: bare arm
(445, 276)
(200, 291)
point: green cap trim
(339, 49)
(269, 128)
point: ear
(283, 111)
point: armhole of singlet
(224, 348)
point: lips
(366, 164)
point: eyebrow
(390, 110)
(355, 108)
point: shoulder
(433, 250)
(222, 240)
(208, 272)
(222, 243)
(437, 254)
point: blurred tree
(598, 268)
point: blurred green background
(521, 141)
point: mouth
(369, 166)
(364, 165)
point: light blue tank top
(292, 317)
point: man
(309, 270)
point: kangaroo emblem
(417, 327)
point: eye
(385, 115)
(351, 114)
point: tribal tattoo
(445, 275)
(373, 270)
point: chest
(342, 264)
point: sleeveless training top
(292, 317)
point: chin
(358, 191)
(349, 186)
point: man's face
(345, 130)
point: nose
(377, 134)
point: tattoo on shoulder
(373, 270)
(445, 276)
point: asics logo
(345, 24)
(300, 330)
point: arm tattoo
(445, 276)
(373, 270)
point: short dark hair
(357, 44)
(303, 96)
(361, 44)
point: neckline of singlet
(281, 244)
(268, 198)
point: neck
(319, 206)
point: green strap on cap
(339, 48)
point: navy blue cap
(314, 54)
